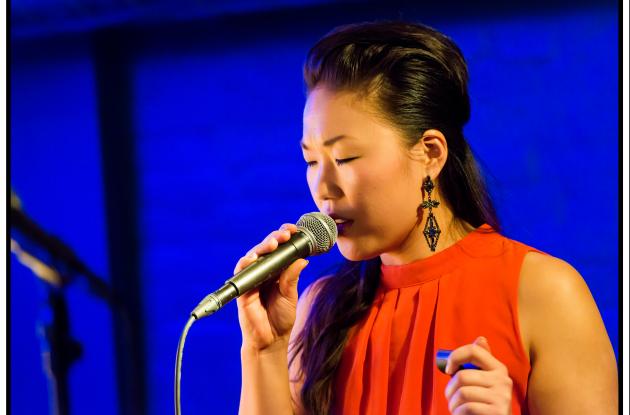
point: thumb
(289, 279)
(483, 342)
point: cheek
(311, 181)
(387, 193)
(386, 202)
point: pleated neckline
(434, 266)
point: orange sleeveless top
(443, 301)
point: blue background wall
(196, 112)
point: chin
(354, 251)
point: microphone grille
(322, 228)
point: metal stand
(59, 349)
(61, 352)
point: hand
(487, 391)
(266, 314)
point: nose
(325, 183)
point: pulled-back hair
(415, 78)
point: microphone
(316, 234)
(58, 250)
(33, 231)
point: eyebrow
(328, 142)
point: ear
(431, 150)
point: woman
(427, 267)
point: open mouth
(342, 224)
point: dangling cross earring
(431, 229)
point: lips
(342, 223)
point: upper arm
(296, 378)
(573, 364)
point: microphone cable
(178, 365)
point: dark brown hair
(416, 78)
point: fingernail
(253, 255)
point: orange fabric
(441, 302)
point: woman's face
(360, 173)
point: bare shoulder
(551, 287)
(549, 281)
(552, 290)
(573, 363)
(544, 274)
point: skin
(371, 177)
(378, 185)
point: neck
(415, 246)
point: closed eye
(339, 162)
(344, 161)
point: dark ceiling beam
(77, 18)
(90, 15)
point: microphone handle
(263, 269)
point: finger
(467, 394)
(475, 354)
(271, 242)
(281, 235)
(266, 246)
(473, 408)
(289, 279)
(250, 297)
(291, 227)
(245, 261)
(467, 377)
(483, 342)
